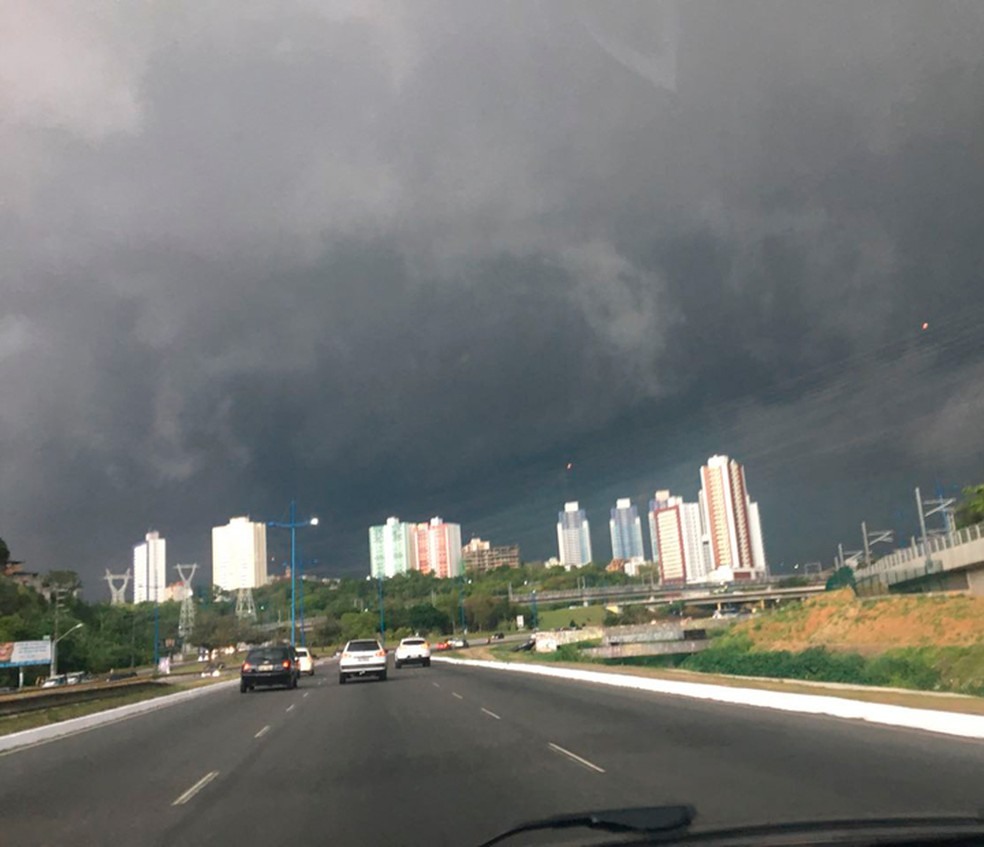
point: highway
(453, 755)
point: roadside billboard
(19, 653)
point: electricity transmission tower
(117, 592)
(245, 607)
(186, 620)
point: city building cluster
(717, 538)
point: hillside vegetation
(841, 621)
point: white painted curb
(40, 734)
(930, 720)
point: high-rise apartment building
(573, 536)
(731, 520)
(437, 548)
(676, 531)
(625, 526)
(150, 570)
(239, 554)
(392, 549)
(480, 556)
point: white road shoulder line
(491, 714)
(456, 694)
(198, 786)
(575, 757)
(262, 732)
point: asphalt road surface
(451, 755)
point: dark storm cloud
(407, 258)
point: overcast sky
(413, 258)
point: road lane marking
(198, 786)
(262, 732)
(291, 706)
(456, 694)
(575, 757)
(491, 714)
(305, 694)
(435, 684)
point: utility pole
(922, 529)
(874, 536)
(382, 616)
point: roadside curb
(929, 720)
(73, 726)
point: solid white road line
(456, 694)
(491, 714)
(198, 786)
(575, 757)
(262, 732)
(291, 706)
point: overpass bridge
(654, 595)
(953, 561)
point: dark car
(275, 665)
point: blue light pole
(293, 525)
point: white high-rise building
(573, 536)
(731, 520)
(392, 549)
(239, 554)
(150, 569)
(676, 532)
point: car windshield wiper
(644, 819)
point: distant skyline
(494, 266)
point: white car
(362, 657)
(414, 650)
(305, 661)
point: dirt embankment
(840, 621)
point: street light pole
(293, 525)
(54, 649)
(382, 615)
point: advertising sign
(17, 653)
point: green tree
(970, 510)
(841, 578)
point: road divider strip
(907, 717)
(73, 726)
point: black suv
(275, 665)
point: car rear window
(362, 646)
(302, 651)
(267, 654)
(413, 642)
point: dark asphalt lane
(452, 755)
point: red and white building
(437, 547)
(677, 538)
(733, 529)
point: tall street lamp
(53, 670)
(293, 524)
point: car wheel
(243, 688)
(341, 679)
(427, 663)
(382, 677)
(398, 665)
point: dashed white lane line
(491, 714)
(291, 706)
(305, 694)
(436, 684)
(575, 757)
(198, 786)
(262, 732)
(456, 694)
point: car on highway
(266, 666)
(305, 661)
(412, 651)
(362, 657)
(458, 643)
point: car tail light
(380, 652)
(247, 666)
(346, 655)
(427, 646)
(286, 663)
